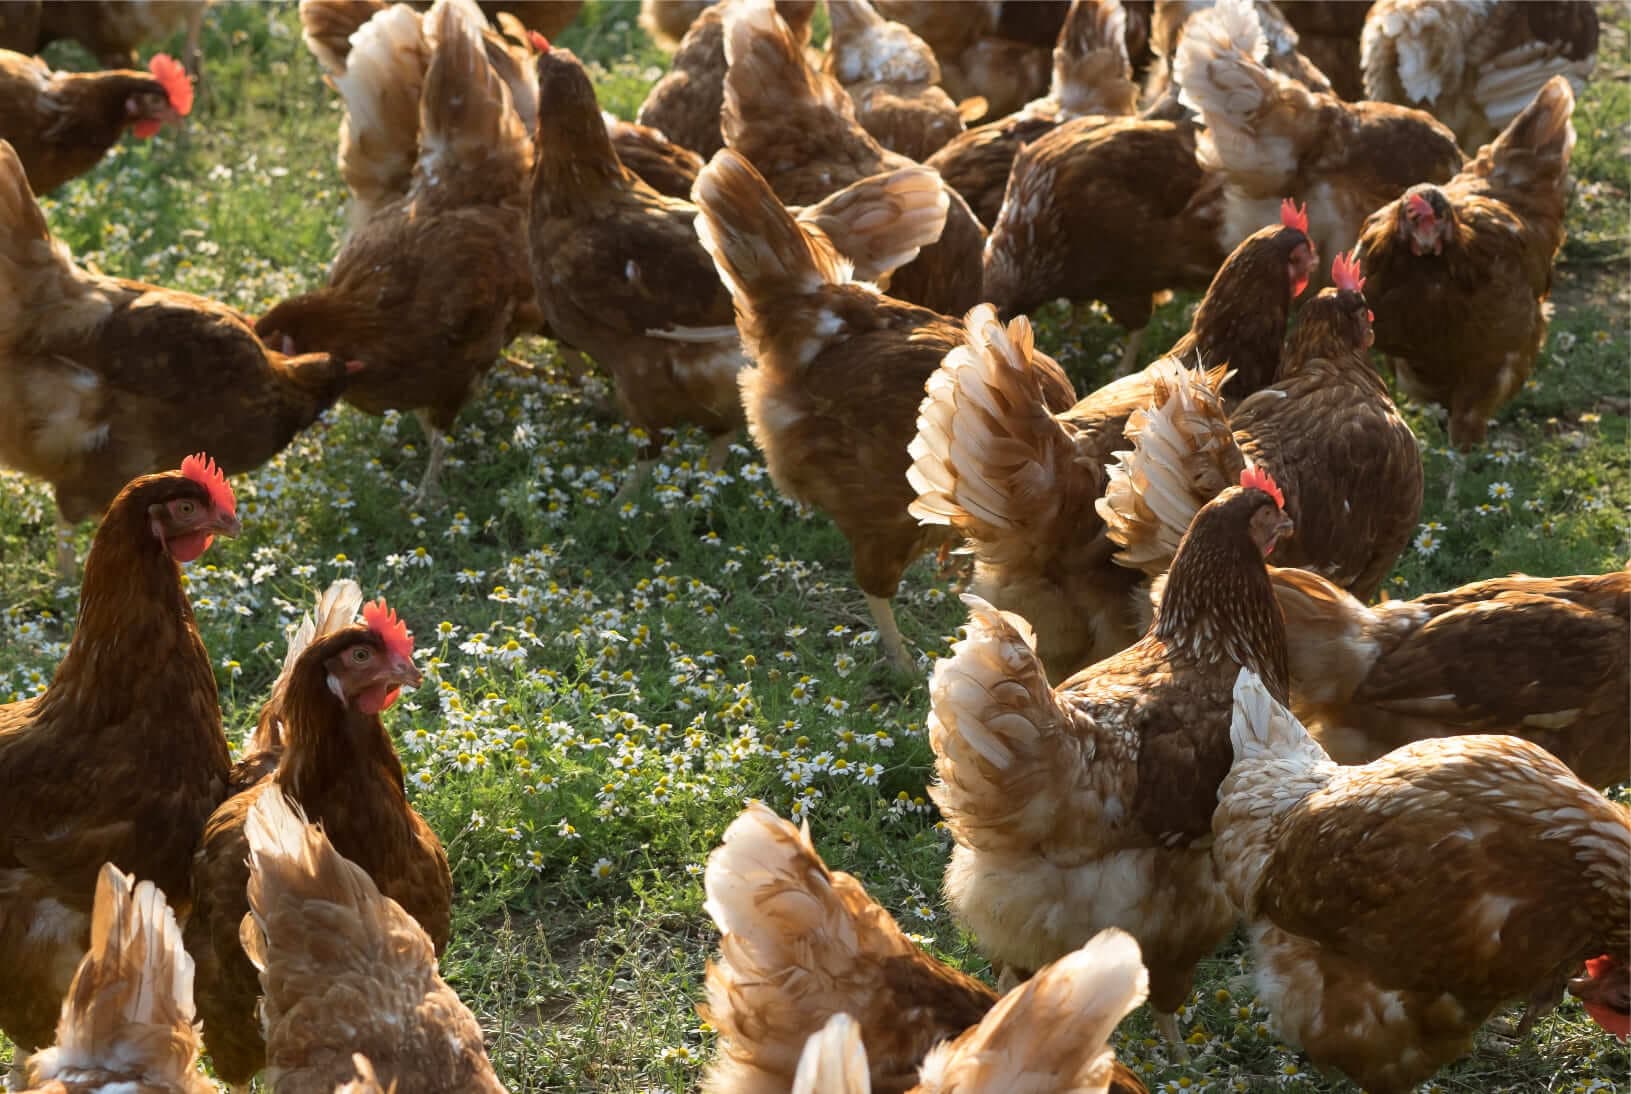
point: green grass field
(608, 684)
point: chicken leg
(719, 451)
(1129, 356)
(894, 647)
(1166, 1024)
(65, 548)
(430, 487)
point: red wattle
(377, 698)
(146, 127)
(188, 547)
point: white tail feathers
(1003, 751)
(1250, 113)
(381, 84)
(327, 27)
(757, 246)
(337, 607)
(988, 458)
(867, 47)
(834, 1060)
(1052, 1033)
(1262, 729)
(129, 1012)
(1091, 71)
(881, 223)
(1183, 455)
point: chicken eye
(186, 508)
(360, 654)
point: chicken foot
(894, 647)
(1166, 1024)
(719, 451)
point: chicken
(1281, 55)
(797, 127)
(802, 943)
(1326, 430)
(122, 758)
(993, 51)
(1328, 35)
(1542, 658)
(1393, 907)
(1089, 805)
(337, 762)
(621, 274)
(1269, 137)
(1091, 77)
(893, 79)
(1461, 273)
(127, 1023)
(1106, 209)
(687, 103)
(1475, 66)
(1020, 483)
(112, 29)
(104, 379)
(350, 978)
(1049, 1034)
(431, 285)
(838, 370)
(62, 123)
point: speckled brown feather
(802, 942)
(134, 696)
(347, 970)
(1453, 875)
(1544, 659)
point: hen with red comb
(1345, 273)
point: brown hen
(122, 759)
(1461, 274)
(1090, 805)
(336, 762)
(1393, 907)
(893, 78)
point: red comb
(202, 470)
(1293, 217)
(539, 42)
(173, 78)
(1255, 478)
(1345, 273)
(1420, 205)
(391, 630)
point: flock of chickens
(1149, 734)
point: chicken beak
(405, 673)
(226, 524)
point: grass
(608, 685)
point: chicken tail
(381, 84)
(337, 607)
(129, 1010)
(1183, 454)
(1531, 156)
(1052, 1032)
(767, 71)
(473, 147)
(802, 943)
(761, 252)
(34, 268)
(834, 1061)
(327, 27)
(989, 460)
(1255, 120)
(880, 223)
(1091, 71)
(1003, 754)
(1262, 729)
(865, 46)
